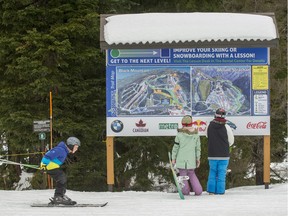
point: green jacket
(186, 149)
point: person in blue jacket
(51, 163)
(220, 138)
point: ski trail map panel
(67, 206)
(175, 178)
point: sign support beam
(266, 168)
(110, 162)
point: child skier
(51, 163)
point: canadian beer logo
(140, 127)
(257, 125)
(140, 123)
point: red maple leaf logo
(140, 123)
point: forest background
(53, 45)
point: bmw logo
(117, 126)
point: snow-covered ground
(244, 201)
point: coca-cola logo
(257, 125)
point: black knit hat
(220, 113)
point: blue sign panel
(198, 56)
(149, 87)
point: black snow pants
(61, 181)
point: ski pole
(15, 163)
(20, 164)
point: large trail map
(227, 87)
(158, 91)
(166, 91)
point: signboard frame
(123, 67)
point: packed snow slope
(244, 201)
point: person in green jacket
(186, 155)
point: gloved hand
(43, 166)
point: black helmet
(220, 113)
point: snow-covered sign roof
(176, 30)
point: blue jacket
(55, 157)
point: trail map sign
(150, 90)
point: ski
(68, 206)
(175, 178)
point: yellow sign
(260, 77)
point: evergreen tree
(51, 46)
